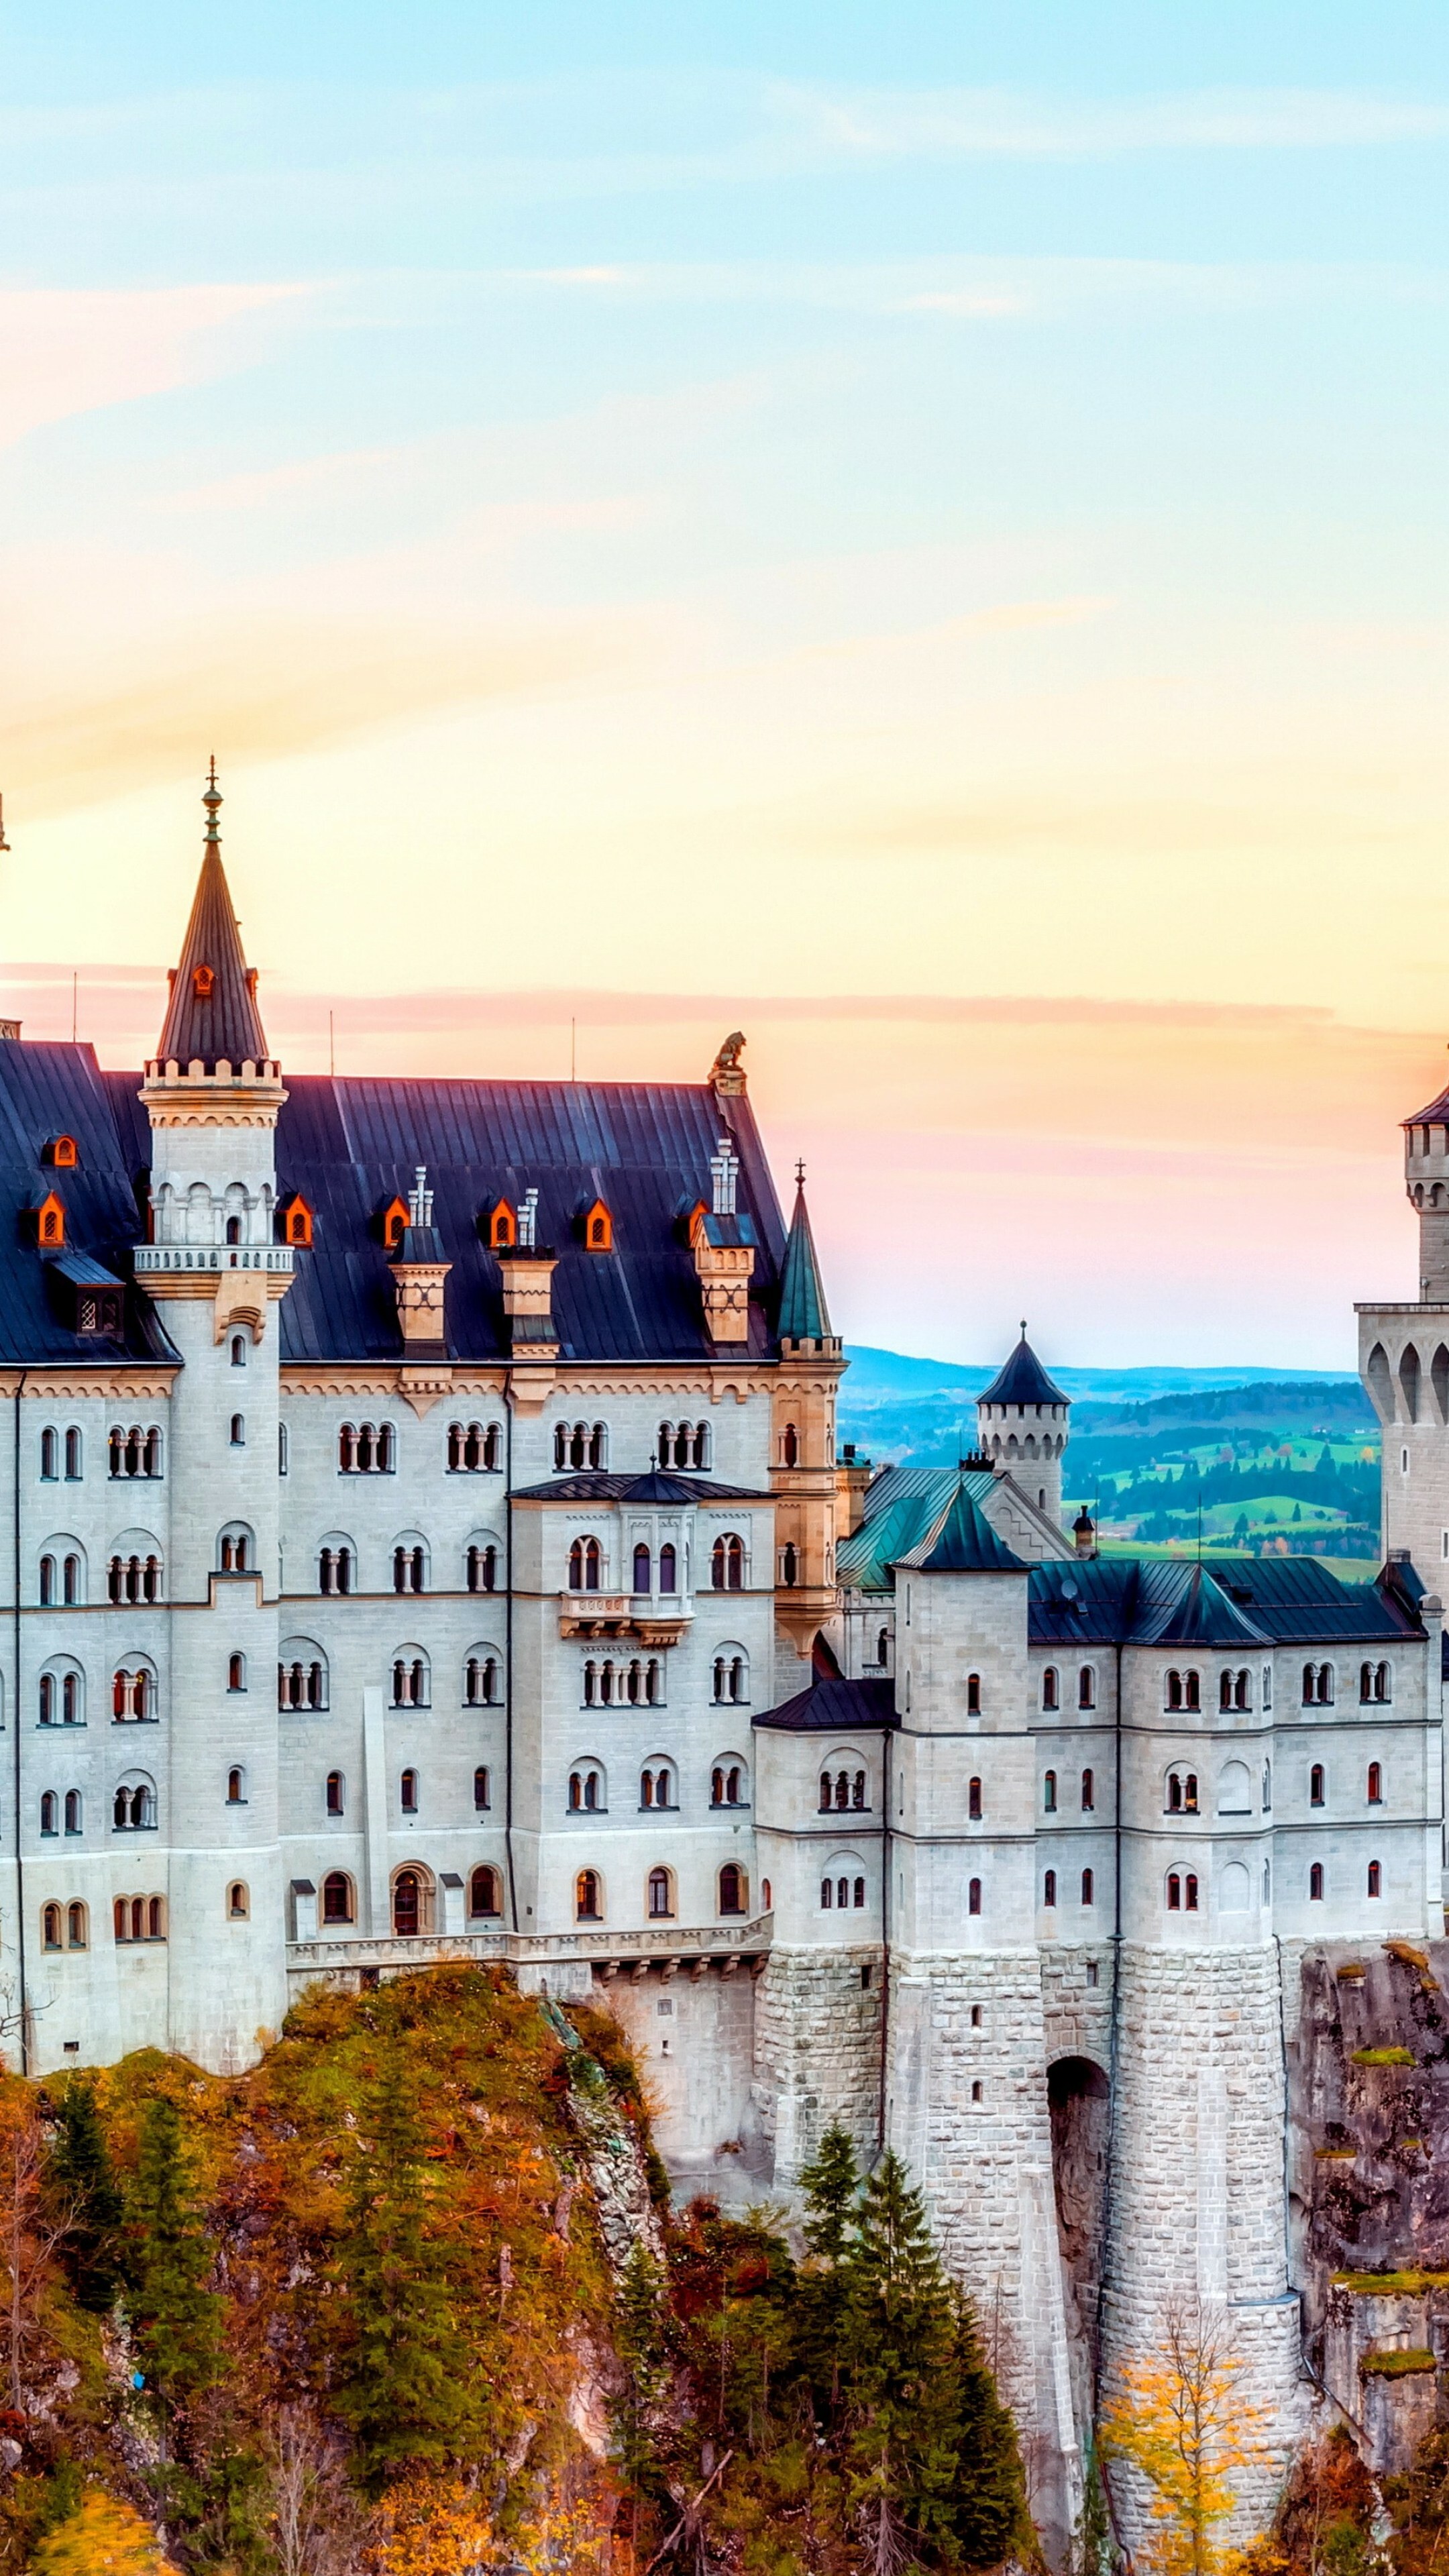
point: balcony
(151, 1258)
(637, 1618)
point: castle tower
(802, 1474)
(1021, 1425)
(1404, 1364)
(212, 1093)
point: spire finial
(1023, 1328)
(212, 801)
(800, 1173)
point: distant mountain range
(877, 1377)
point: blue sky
(913, 521)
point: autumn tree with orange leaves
(1182, 2424)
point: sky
(918, 533)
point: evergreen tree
(831, 2183)
(176, 2317)
(405, 2390)
(86, 2194)
(989, 2507)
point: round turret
(1022, 1427)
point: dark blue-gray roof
(351, 1145)
(831, 1704)
(1022, 1381)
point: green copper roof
(901, 1509)
(804, 1316)
(965, 1543)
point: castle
(428, 1539)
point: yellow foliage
(434, 2527)
(103, 2538)
(1180, 2422)
(561, 2537)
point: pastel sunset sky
(917, 531)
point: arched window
(1242, 1689)
(408, 1793)
(641, 1569)
(49, 1812)
(236, 1787)
(482, 1680)
(238, 1902)
(1375, 1879)
(585, 1565)
(1086, 1887)
(483, 1567)
(238, 1431)
(1267, 1788)
(236, 1672)
(73, 1455)
(1049, 1888)
(77, 1927)
(727, 1563)
(1174, 1690)
(336, 1568)
(790, 1446)
(233, 1229)
(1315, 1785)
(337, 1900)
(588, 1903)
(485, 1891)
(1086, 1687)
(1049, 1793)
(71, 1582)
(46, 1696)
(47, 1582)
(70, 1699)
(1174, 1892)
(409, 1567)
(973, 1802)
(480, 1787)
(789, 1565)
(301, 1675)
(973, 1694)
(1189, 1891)
(336, 1794)
(1225, 1689)
(410, 1681)
(973, 1897)
(1315, 1883)
(134, 1807)
(883, 1647)
(1383, 1682)
(857, 1789)
(407, 1904)
(234, 1552)
(1376, 1784)
(50, 1454)
(1192, 1690)
(50, 1923)
(827, 1893)
(586, 1788)
(732, 1889)
(238, 1350)
(1050, 1688)
(668, 1562)
(1087, 1793)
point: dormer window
(598, 1228)
(62, 1153)
(203, 982)
(394, 1224)
(50, 1223)
(297, 1220)
(502, 1227)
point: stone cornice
(69, 1382)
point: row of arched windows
(65, 1927)
(588, 1566)
(412, 1898)
(62, 1581)
(366, 1449)
(668, 1569)
(409, 1790)
(302, 1679)
(841, 1789)
(658, 1786)
(140, 1918)
(52, 1806)
(660, 1894)
(686, 1444)
(1087, 1793)
(841, 1892)
(580, 1444)
(636, 1684)
(475, 1448)
(1051, 1687)
(1049, 1888)
(69, 1446)
(1373, 1785)
(731, 1679)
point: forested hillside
(408, 2300)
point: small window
(1086, 1687)
(1049, 1793)
(238, 1350)
(1375, 1784)
(789, 1565)
(50, 1460)
(49, 1812)
(973, 1802)
(1190, 1893)
(238, 1431)
(1087, 1793)
(1050, 1688)
(727, 1563)
(337, 1897)
(1174, 1892)
(1375, 1879)
(1315, 1883)
(480, 1788)
(335, 1793)
(485, 1892)
(238, 1902)
(236, 1673)
(236, 1788)
(668, 1560)
(858, 1898)
(50, 1923)
(1087, 1887)
(642, 1563)
(77, 1928)
(409, 1793)
(973, 1897)
(731, 1889)
(1315, 1785)
(599, 1228)
(73, 1462)
(62, 1153)
(973, 1694)
(827, 1893)
(1049, 1888)
(587, 1905)
(1191, 1690)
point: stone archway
(1079, 2100)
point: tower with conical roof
(211, 1261)
(1404, 1364)
(803, 1476)
(1021, 1426)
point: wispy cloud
(964, 123)
(67, 350)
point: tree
(83, 2186)
(831, 2183)
(405, 2387)
(102, 2538)
(29, 2229)
(1181, 2421)
(177, 2318)
(925, 2426)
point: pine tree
(84, 2188)
(177, 2319)
(405, 2390)
(902, 2395)
(989, 2505)
(831, 2183)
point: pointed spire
(212, 1013)
(804, 1315)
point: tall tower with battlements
(1404, 1364)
